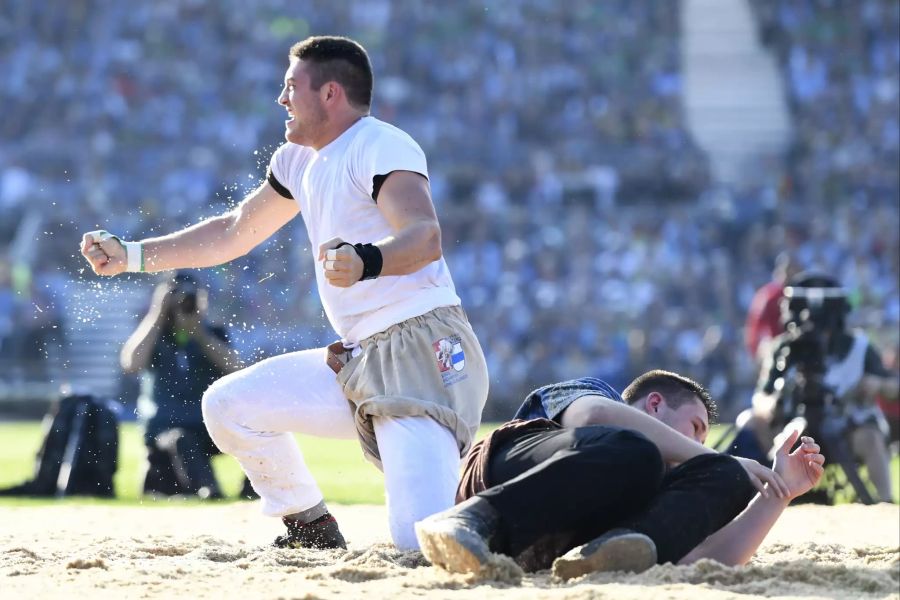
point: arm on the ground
(673, 446)
(211, 242)
(736, 543)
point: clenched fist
(105, 253)
(343, 266)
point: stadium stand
(581, 223)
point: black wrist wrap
(372, 260)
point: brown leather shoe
(320, 534)
(615, 550)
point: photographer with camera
(179, 355)
(828, 378)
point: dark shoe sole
(626, 551)
(454, 549)
(287, 544)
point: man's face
(690, 419)
(306, 112)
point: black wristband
(372, 260)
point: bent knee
(219, 403)
(723, 464)
(727, 473)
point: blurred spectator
(180, 355)
(764, 319)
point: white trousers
(250, 415)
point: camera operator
(763, 322)
(826, 374)
(179, 355)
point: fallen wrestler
(585, 480)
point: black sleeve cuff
(377, 181)
(283, 191)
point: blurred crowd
(579, 221)
(841, 69)
(841, 64)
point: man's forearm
(409, 250)
(596, 410)
(208, 243)
(673, 446)
(225, 237)
(737, 542)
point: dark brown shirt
(475, 473)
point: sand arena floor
(220, 551)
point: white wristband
(134, 251)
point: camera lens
(188, 304)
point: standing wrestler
(362, 186)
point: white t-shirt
(334, 190)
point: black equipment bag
(79, 454)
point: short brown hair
(676, 388)
(339, 59)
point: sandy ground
(220, 551)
